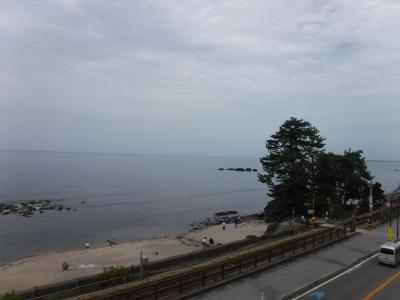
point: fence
(179, 283)
(378, 216)
(92, 283)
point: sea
(126, 196)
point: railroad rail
(186, 281)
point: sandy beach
(46, 268)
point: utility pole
(397, 233)
(141, 265)
(390, 230)
(390, 214)
(313, 180)
(371, 204)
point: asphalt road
(273, 283)
(370, 281)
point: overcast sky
(198, 77)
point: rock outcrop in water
(238, 169)
(28, 208)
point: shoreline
(101, 243)
(45, 268)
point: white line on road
(336, 277)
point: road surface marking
(336, 277)
(381, 286)
(318, 294)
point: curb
(309, 286)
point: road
(276, 282)
(370, 281)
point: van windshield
(387, 251)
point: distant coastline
(164, 154)
(384, 161)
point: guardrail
(378, 215)
(92, 284)
(182, 282)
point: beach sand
(230, 233)
(46, 268)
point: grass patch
(114, 272)
(10, 296)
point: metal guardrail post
(282, 250)
(155, 292)
(269, 255)
(223, 271)
(313, 240)
(304, 244)
(294, 247)
(240, 266)
(203, 278)
(181, 285)
(255, 261)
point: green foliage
(345, 180)
(327, 176)
(289, 167)
(10, 296)
(299, 173)
(355, 175)
(378, 197)
(114, 272)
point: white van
(389, 253)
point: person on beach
(223, 225)
(238, 219)
(110, 243)
(211, 241)
(236, 223)
(204, 243)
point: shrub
(64, 266)
(113, 272)
(10, 296)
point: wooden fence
(176, 284)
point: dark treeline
(300, 174)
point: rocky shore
(28, 208)
(228, 216)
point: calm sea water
(126, 197)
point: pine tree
(289, 167)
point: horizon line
(127, 153)
(160, 154)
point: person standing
(211, 241)
(236, 223)
(204, 243)
(223, 225)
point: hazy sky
(198, 77)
